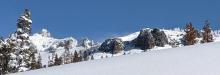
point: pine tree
(57, 60)
(190, 35)
(24, 22)
(102, 57)
(39, 64)
(106, 56)
(207, 33)
(4, 57)
(33, 64)
(92, 57)
(67, 54)
(76, 57)
(1, 57)
(60, 61)
(21, 47)
(85, 56)
(80, 58)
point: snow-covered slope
(200, 59)
(43, 40)
(130, 37)
(44, 43)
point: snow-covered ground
(130, 37)
(202, 59)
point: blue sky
(101, 19)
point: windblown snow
(202, 59)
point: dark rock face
(145, 40)
(148, 39)
(113, 46)
(160, 37)
(128, 45)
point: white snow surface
(43, 41)
(201, 59)
(130, 37)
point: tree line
(191, 34)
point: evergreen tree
(21, 47)
(102, 57)
(76, 57)
(207, 33)
(85, 56)
(190, 35)
(92, 57)
(57, 60)
(60, 61)
(4, 57)
(24, 22)
(39, 64)
(33, 64)
(80, 58)
(67, 54)
(1, 57)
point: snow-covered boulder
(73, 42)
(160, 37)
(114, 45)
(145, 40)
(87, 43)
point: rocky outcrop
(160, 37)
(113, 46)
(148, 39)
(86, 43)
(145, 40)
